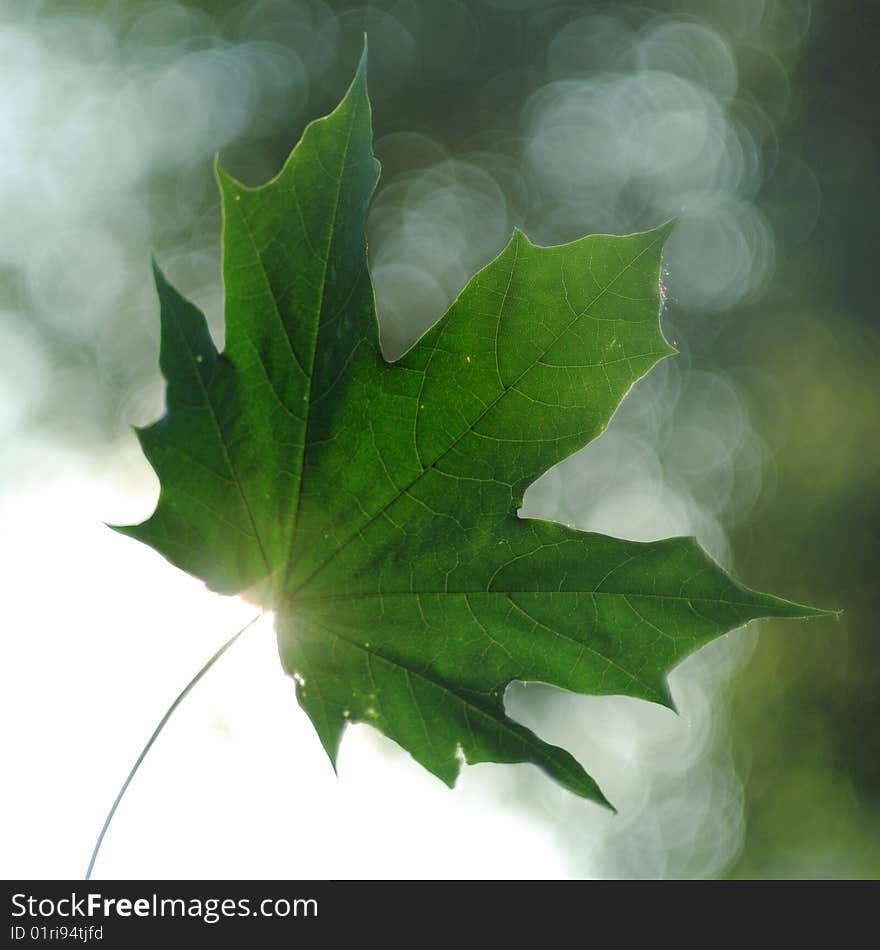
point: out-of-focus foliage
(822, 690)
(755, 121)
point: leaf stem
(162, 723)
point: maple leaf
(373, 505)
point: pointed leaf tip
(667, 227)
(159, 278)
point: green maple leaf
(373, 505)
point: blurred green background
(754, 121)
